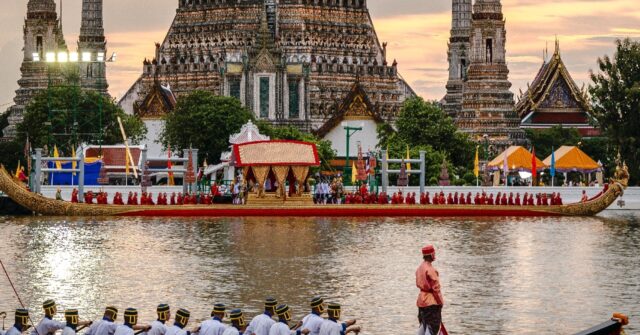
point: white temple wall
(368, 138)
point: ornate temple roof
(248, 133)
(553, 96)
(275, 153)
(157, 103)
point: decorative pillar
(81, 177)
(422, 171)
(385, 173)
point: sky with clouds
(417, 32)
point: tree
(423, 126)
(69, 116)
(4, 122)
(546, 140)
(615, 97)
(204, 121)
(325, 151)
(10, 153)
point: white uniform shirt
(13, 331)
(212, 326)
(231, 331)
(105, 327)
(281, 328)
(68, 331)
(124, 330)
(93, 327)
(313, 322)
(175, 330)
(330, 327)
(48, 326)
(157, 328)
(260, 325)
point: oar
(3, 315)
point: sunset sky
(417, 32)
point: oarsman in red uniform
(214, 190)
(159, 199)
(490, 201)
(400, 198)
(173, 199)
(477, 200)
(450, 199)
(74, 196)
(461, 200)
(511, 203)
(143, 199)
(130, 198)
(504, 201)
(382, 198)
(558, 199)
(525, 199)
(553, 199)
(483, 198)
(469, 198)
(88, 198)
(135, 198)
(545, 200)
(518, 202)
(530, 203)
(430, 299)
(180, 199)
(455, 198)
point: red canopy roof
(283, 153)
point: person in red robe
(135, 198)
(214, 190)
(511, 202)
(150, 199)
(545, 200)
(469, 198)
(88, 198)
(518, 202)
(553, 199)
(130, 198)
(422, 199)
(400, 198)
(180, 200)
(143, 199)
(159, 199)
(74, 196)
(477, 200)
(559, 199)
(525, 199)
(462, 200)
(490, 201)
(504, 201)
(450, 199)
(394, 198)
(483, 198)
(427, 199)
(173, 199)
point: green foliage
(423, 126)
(615, 96)
(546, 140)
(325, 151)
(4, 122)
(10, 153)
(94, 116)
(204, 121)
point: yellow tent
(573, 159)
(518, 159)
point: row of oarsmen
(263, 324)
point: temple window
(489, 50)
(294, 99)
(234, 88)
(39, 46)
(264, 97)
(463, 68)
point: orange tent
(573, 159)
(518, 159)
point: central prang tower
(92, 43)
(487, 103)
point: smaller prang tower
(42, 33)
(93, 42)
(458, 55)
(488, 106)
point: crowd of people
(263, 324)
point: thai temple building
(47, 61)
(486, 108)
(306, 63)
(554, 99)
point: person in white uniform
(48, 326)
(333, 326)
(238, 325)
(282, 326)
(105, 326)
(214, 326)
(159, 326)
(313, 321)
(261, 324)
(180, 323)
(130, 320)
(20, 325)
(71, 315)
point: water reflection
(524, 276)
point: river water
(499, 276)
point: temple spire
(91, 28)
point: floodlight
(100, 57)
(63, 57)
(86, 56)
(73, 57)
(36, 57)
(51, 57)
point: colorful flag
(476, 164)
(534, 167)
(353, 173)
(17, 174)
(553, 163)
(56, 154)
(74, 164)
(505, 169)
(171, 180)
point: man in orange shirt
(430, 298)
